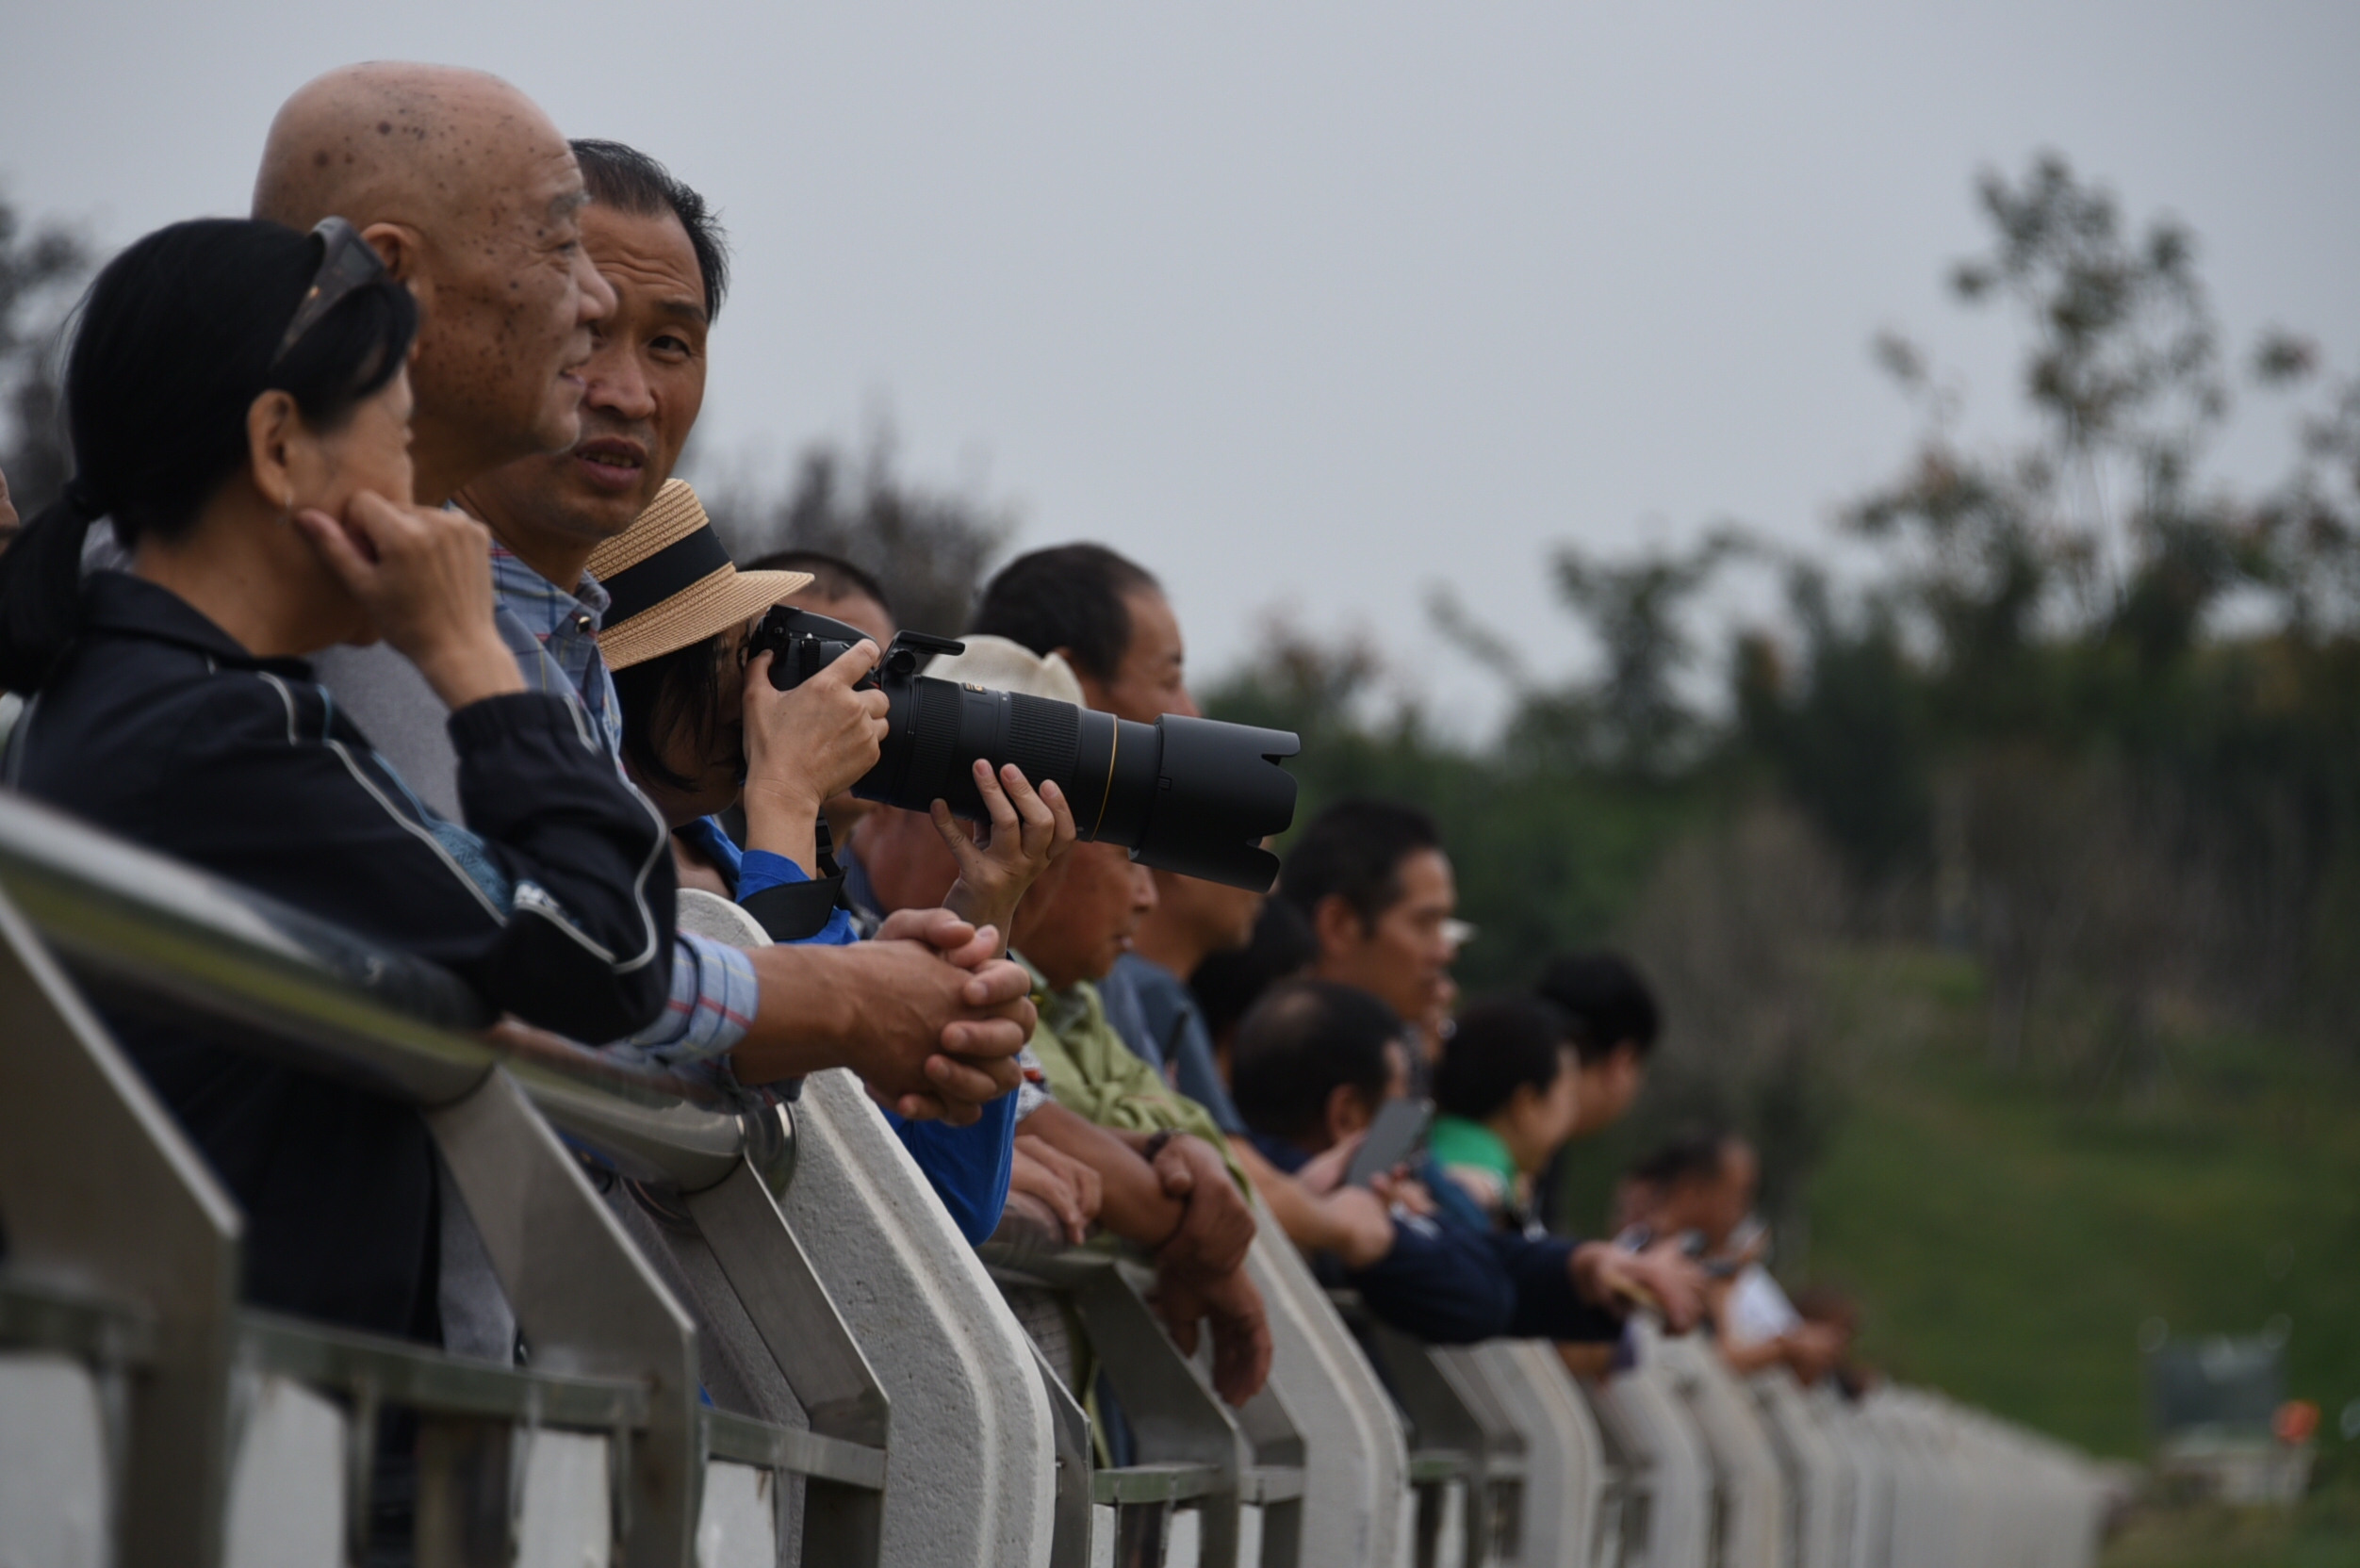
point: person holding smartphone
(1315, 1066)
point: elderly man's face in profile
(514, 299)
(642, 386)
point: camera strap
(792, 911)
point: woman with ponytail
(238, 410)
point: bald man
(472, 198)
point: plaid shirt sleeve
(714, 997)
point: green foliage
(1545, 857)
(2010, 1240)
(39, 269)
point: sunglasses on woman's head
(346, 263)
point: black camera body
(1189, 796)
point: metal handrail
(148, 930)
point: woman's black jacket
(555, 902)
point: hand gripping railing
(118, 1239)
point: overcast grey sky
(1314, 305)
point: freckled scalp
(433, 146)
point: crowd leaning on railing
(529, 1040)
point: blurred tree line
(932, 548)
(42, 269)
(2092, 717)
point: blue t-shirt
(967, 1166)
(1175, 1038)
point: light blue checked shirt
(554, 635)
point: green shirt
(1456, 1141)
(1100, 1079)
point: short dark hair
(1227, 985)
(832, 576)
(1298, 1044)
(1697, 1151)
(629, 181)
(1502, 1045)
(1070, 598)
(1353, 850)
(1608, 1000)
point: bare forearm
(783, 824)
(1301, 1214)
(1132, 1204)
(803, 1022)
(1754, 1355)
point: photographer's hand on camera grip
(804, 744)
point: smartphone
(1398, 1132)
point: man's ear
(1347, 1113)
(1094, 692)
(402, 250)
(1338, 924)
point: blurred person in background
(1314, 1063)
(1699, 1186)
(1508, 1097)
(1372, 878)
(1616, 1021)
(1228, 983)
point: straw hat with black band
(671, 585)
(669, 581)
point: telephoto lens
(1194, 796)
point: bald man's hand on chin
(927, 1016)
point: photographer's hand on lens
(804, 744)
(424, 575)
(1027, 831)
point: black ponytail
(41, 589)
(172, 346)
